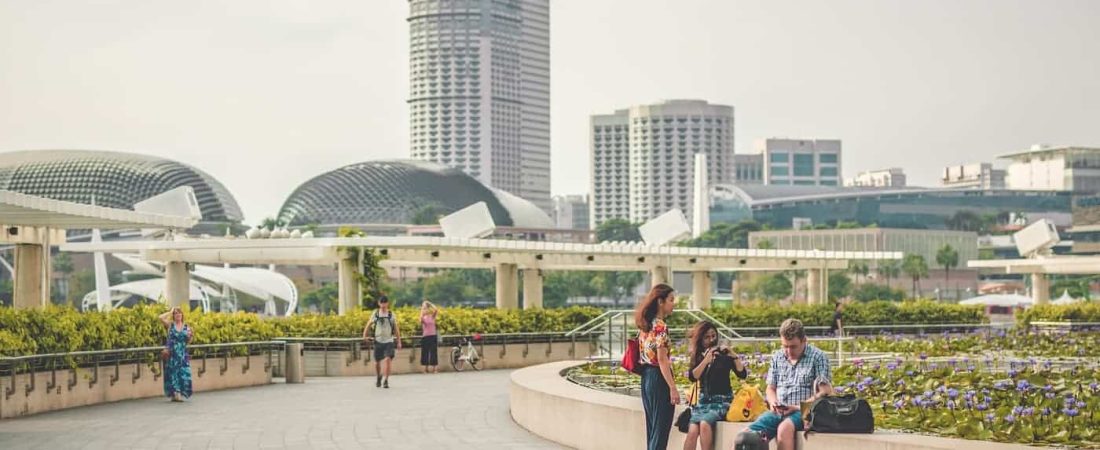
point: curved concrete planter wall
(546, 404)
(26, 394)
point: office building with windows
(1043, 168)
(801, 162)
(643, 157)
(571, 212)
(973, 176)
(479, 97)
(893, 177)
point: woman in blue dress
(177, 365)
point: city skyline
(266, 95)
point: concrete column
(532, 289)
(347, 286)
(177, 282)
(1040, 288)
(507, 286)
(700, 289)
(31, 289)
(658, 275)
(814, 287)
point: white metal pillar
(532, 289)
(347, 285)
(177, 284)
(31, 287)
(507, 286)
(815, 286)
(700, 289)
(1040, 288)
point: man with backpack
(386, 336)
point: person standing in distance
(429, 343)
(659, 394)
(386, 336)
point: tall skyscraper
(479, 95)
(643, 157)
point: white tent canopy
(153, 289)
(1005, 300)
(1066, 299)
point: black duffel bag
(842, 414)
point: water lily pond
(994, 386)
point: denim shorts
(768, 423)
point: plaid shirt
(795, 383)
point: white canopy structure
(1066, 299)
(1004, 300)
(152, 289)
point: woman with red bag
(659, 394)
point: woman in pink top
(429, 343)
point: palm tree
(916, 268)
(889, 270)
(860, 269)
(948, 258)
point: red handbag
(631, 357)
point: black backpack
(749, 440)
(843, 414)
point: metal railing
(141, 357)
(355, 346)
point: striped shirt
(796, 383)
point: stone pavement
(443, 411)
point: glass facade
(917, 208)
(778, 157)
(803, 165)
(827, 158)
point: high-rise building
(973, 176)
(571, 212)
(808, 162)
(1043, 168)
(748, 168)
(643, 157)
(892, 177)
(479, 95)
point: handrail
(1068, 323)
(16, 359)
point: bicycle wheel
(456, 359)
(475, 360)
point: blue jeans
(658, 408)
(768, 423)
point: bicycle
(465, 353)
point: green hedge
(1076, 312)
(870, 313)
(61, 330)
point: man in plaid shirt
(799, 373)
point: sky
(266, 94)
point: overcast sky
(265, 94)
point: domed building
(114, 179)
(400, 192)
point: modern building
(643, 157)
(386, 196)
(748, 168)
(955, 282)
(893, 177)
(973, 176)
(116, 180)
(921, 242)
(571, 212)
(1043, 168)
(479, 96)
(916, 208)
(801, 162)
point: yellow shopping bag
(747, 405)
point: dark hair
(647, 308)
(695, 346)
(383, 299)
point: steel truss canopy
(1063, 265)
(18, 209)
(426, 251)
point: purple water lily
(990, 417)
(952, 393)
(1070, 412)
(1023, 385)
(1010, 418)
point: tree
(771, 287)
(765, 245)
(948, 258)
(869, 292)
(63, 264)
(916, 268)
(272, 223)
(889, 270)
(725, 235)
(839, 285)
(322, 299)
(371, 275)
(428, 214)
(860, 269)
(618, 230)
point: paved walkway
(443, 411)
